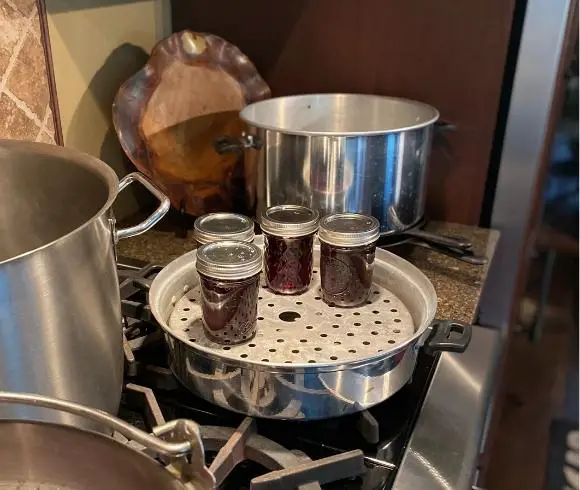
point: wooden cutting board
(169, 114)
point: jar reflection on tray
(229, 277)
(347, 254)
(214, 227)
(288, 242)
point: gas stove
(374, 449)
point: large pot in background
(341, 152)
(60, 310)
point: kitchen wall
(450, 54)
(96, 45)
(25, 111)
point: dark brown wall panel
(449, 53)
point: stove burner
(289, 469)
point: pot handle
(448, 335)
(227, 144)
(185, 433)
(153, 219)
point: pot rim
(428, 121)
(89, 435)
(77, 158)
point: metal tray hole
(350, 334)
(338, 315)
(356, 313)
(303, 340)
(289, 316)
(226, 348)
(185, 309)
(352, 351)
(184, 319)
(318, 349)
(243, 356)
(315, 271)
(396, 331)
(324, 335)
(317, 297)
(356, 324)
(186, 329)
(271, 350)
(333, 358)
(338, 343)
(393, 310)
(376, 312)
(260, 318)
(193, 340)
(386, 301)
(366, 342)
(369, 302)
(397, 320)
(295, 351)
(298, 302)
(265, 360)
(374, 332)
(260, 297)
(280, 340)
(336, 326)
(309, 327)
(278, 330)
(378, 322)
(270, 305)
(311, 361)
(287, 362)
(391, 341)
(251, 345)
(318, 313)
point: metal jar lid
(229, 259)
(223, 226)
(289, 220)
(348, 229)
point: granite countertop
(457, 283)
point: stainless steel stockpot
(60, 310)
(325, 363)
(48, 456)
(339, 153)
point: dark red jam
(346, 273)
(229, 308)
(288, 263)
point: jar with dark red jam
(229, 278)
(347, 254)
(288, 240)
(215, 227)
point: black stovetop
(390, 422)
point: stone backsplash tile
(24, 6)
(12, 27)
(29, 69)
(14, 123)
(24, 87)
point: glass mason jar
(347, 254)
(229, 277)
(288, 240)
(214, 227)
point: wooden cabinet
(449, 53)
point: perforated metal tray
(303, 331)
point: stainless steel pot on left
(60, 310)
